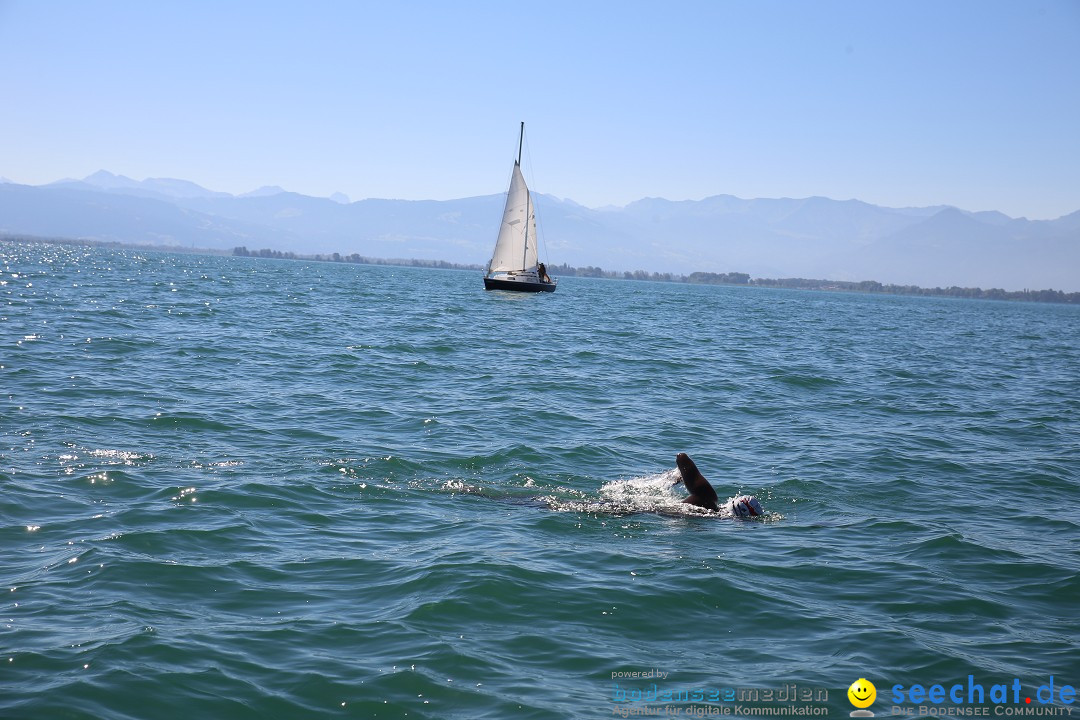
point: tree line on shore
(707, 278)
(564, 270)
(353, 258)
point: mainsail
(516, 247)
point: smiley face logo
(862, 693)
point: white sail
(516, 247)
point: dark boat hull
(518, 286)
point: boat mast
(528, 199)
(521, 138)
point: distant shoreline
(695, 278)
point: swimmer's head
(745, 506)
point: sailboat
(514, 264)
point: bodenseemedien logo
(862, 694)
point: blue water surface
(249, 488)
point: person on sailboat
(541, 271)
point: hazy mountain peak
(156, 187)
(951, 213)
(340, 198)
(1070, 221)
(992, 217)
(179, 188)
(109, 181)
(264, 191)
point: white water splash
(650, 493)
(660, 493)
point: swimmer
(702, 494)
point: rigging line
(541, 242)
(528, 198)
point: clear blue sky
(974, 104)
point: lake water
(244, 488)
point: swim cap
(745, 506)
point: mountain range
(808, 237)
